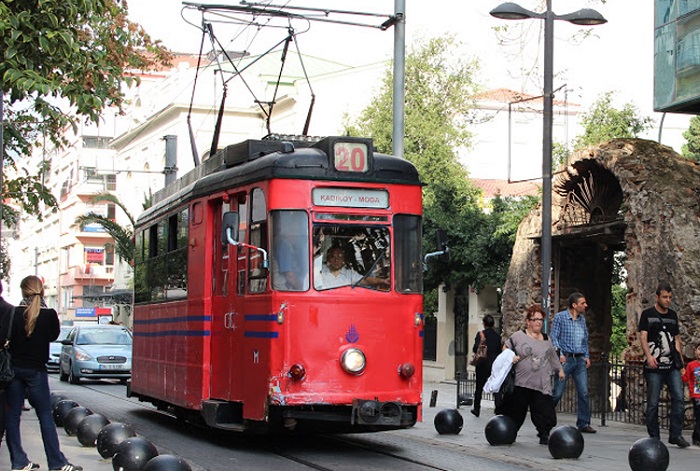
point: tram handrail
(243, 244)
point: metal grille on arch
(591, 195)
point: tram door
(225, 316)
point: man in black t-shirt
(658, 336)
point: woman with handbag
(34, 327)
(491, 341)
(534, 361)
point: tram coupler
(373, 412)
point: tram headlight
(353, 361)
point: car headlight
(353, 361)
(81, 355)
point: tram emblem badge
(352, 335)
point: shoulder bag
(481, 352)
(7, 374)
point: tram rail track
(209, 449)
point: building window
(94, 256)
(92, 295)
(109, 255)
(66, 297)
(96, 142)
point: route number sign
(351, 157)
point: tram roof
(256, 160)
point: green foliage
(440, 90)
(430, 302)
(493, 244)
(618, 338)
(59, 55)
(123, 236)
(604, 122)
(5, 263)
(560, 154)
(691, 149)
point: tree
(58, 56)
(604, 122)
(691, 149)
(123, 236)
(618, 337)
(440, 90)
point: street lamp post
(583, 17)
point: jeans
(35, 384)
(3, 409)
(696, 414)
(655, 381)
(576, 368)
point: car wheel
(72, 378)
(61, 375)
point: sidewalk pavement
(87, 457)
(606, 450)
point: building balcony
(93, 273)
(90, 237)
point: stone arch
(627, 194)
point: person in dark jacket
(483, 370)
(5, 310)
(34, 327)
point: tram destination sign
(350, 198)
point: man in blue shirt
(570, 338)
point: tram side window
(161, 259)
(408, 248)
(141, 291)
(221, 251)
(242, 237)
(157, 269)
(176, 257)
(257, 274)
(290, 250)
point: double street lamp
(583, 17)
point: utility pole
(399, 78)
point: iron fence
(616, 389)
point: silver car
(55, 350)
(96, 351)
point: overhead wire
(257, 17)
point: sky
(617, 56)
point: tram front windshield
(351, 255)
(344, 254)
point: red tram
(279, 286)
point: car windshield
(63, 334)
(104, 337)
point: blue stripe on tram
(174, 333)
(261, 335)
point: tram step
(223, 415)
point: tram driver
(335, 273)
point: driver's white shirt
(326, 279)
